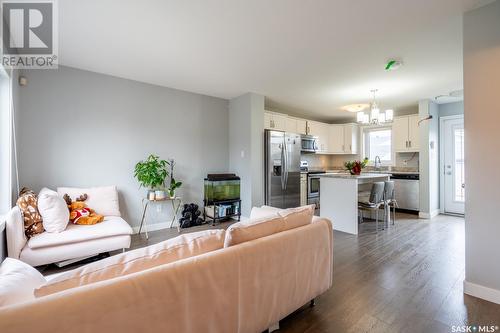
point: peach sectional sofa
(243, 280)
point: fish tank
(221, 187)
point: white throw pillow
(18, 282)
(104, 199)
(54, 211)
(263, 211)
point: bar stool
(390, 199)
(374, 202)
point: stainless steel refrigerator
(282, 169)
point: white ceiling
(311, 57)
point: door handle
(463, 185)
(409, 143)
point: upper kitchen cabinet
(344, 139)
(275, 121)
(291, 125)
(405, 134)
(336, 143)
(351, 135)
(322, 131)
(296, 125)
(302, 127)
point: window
(5, 142)
(378, 142)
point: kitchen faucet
(377, 162)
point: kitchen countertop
(365, 175)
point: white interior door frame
(441, 158)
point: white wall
(78, 128)
(482, 140)
(246, 147)
(429, 159)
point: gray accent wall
(481, 118)
(79, 128)
(451, 109)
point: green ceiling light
(393, 64)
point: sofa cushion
(297, 217)
(252, 229)
(180, 247)
(263, 211)
(80, 250)
(74, 233)
(54, 211)
(104, 199)
(18, 282)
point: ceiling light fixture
(375, 117)
(355, 107)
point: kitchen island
(339, 197)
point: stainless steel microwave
(309, 143)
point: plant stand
(176, 204)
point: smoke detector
(393, 64)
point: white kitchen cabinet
(275, 121)
(291, 125)
(405, 134)
(413, 133)
(322, 131)
(351, 135)
(344, 139)
(336, 143)
(301, 126)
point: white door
(453, 165)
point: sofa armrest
(14, 226)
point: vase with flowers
(355, 167)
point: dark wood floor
(405, 279)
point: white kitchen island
(339, 198)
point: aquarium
(219, 187)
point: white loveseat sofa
(243, 280)
(76, 241)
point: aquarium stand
(218, 210)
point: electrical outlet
(242, 154)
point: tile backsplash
(403, 160)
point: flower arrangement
(355, 167)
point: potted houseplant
(173, 183)
(151, 174)
(355, 167)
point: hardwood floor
(405, 279)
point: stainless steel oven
(309, 143)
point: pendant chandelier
(375, 117)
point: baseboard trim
(153, 227)
(479, 291)
(430, 215)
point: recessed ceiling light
(355, 107)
